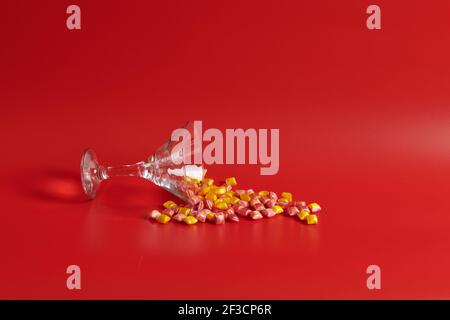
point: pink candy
(292, 211)
(268, 213)
(232, 217)
(193, 200)
(209, 204)
(169, 212)
(200, 205)
(154, 214)
(219, 218)
(201, 215)
(273, 195)
(243, 203)
(179, 217)
(255, 215)
(244, 212)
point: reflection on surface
(55, 186)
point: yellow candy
(312, 219)
(220, 190)
(229, 193)
(245, 197)
(184, 211)
(204, 190)
(303, 214)
(287, 196)
(314, 207)
(211, 196)
(163, 218)
(226, 199)
(208, 182)
(169, 204)
(222, 205)
(210, 216)
(277, 209)
(231, 181)
(234, 200)
(190, 220)
(263, 193)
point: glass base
(89, 169)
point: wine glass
(169, 167)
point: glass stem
(139, 170)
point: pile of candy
(217, 204)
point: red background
(364, 126)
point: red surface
(364, 126)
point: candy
(314, 207)
(219, 218)
(243, 203)
(271, 203)
(263, 193)
(264, 200)
(163, 219)
(229, 193)
(282, 202)
(211, 216)
(255, 215)
(268, 213)
(211, 196)
(233, 217)
(219, 203)
(229, 211)
(169, 212)
(287, 196)
(190, 220)
(193, 200)
(312, 219)
(259, 206)
(190, 193)
(209, 204)
(200, 205)
(220, 190)
(273, 195)
(303, 214)
(225, 199)
(234, 200)
(184, 210)
(208, 182)
(292, 211)
(231, 181)
(277, 209)
(179, 217)
(255, 196)
(204, 190)
(243, 212)
(201, 215)
(300, 204)
(154, 214)
(169, 204)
